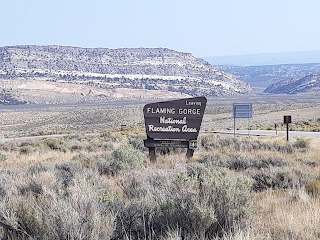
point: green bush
(137, 142)
(123, 158)
(128, 155)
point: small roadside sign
(286, 119)
(242, 110)
(193, 144)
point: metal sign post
(234, 126)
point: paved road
(270, 133)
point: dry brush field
(97, 182)
(35, 120)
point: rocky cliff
(131, 68)
(309, 83)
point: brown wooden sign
(286, 119)
(177, 119)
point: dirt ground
(42, 119)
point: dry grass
(80, 118)
(99, 183)
(48, 169)
(287, 215)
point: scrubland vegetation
(103, 186)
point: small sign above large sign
(177, 119)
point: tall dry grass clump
(287, 215)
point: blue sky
(201, 27)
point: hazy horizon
(301, 57)
(206, 28)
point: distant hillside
(138, 68)
(263, 76)
(308, 83)
(267, 59)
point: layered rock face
(133, 68)
(310, 83)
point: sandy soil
(44, 91)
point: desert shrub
(73, 136)
(134, 220)
(313, 187)
(36, 169)
(227, 161)
(26, 150)
(76, 147)
(107, 146)
(128, 155)
(85, 161)
(137, 142)
(269, 162)
(65, 173)
(53, 144)
(229, 192)
(112, 136)
(30, 187)
(123, 158)
(198, 201)
(240, 163)
(239, 144)
(6, 179)
(2, 192)
(4, 156)
(76, 216)
(277, 178)
(302, 143)
(106, 166)
(86, 144)
(137, 185)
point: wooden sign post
(173, 124)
